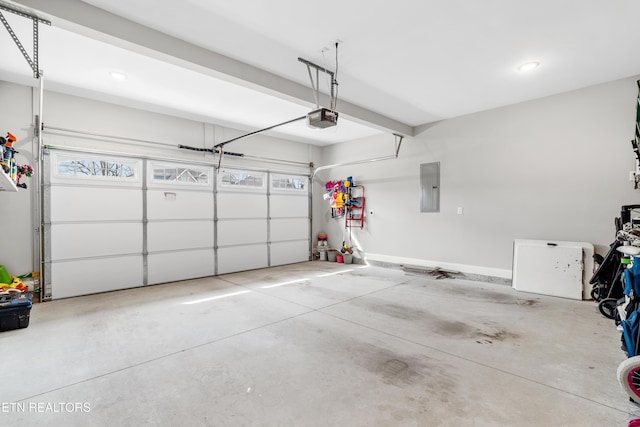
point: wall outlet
(459, 211)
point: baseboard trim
(470, 272)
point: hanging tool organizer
(346, 199)
(354, 215)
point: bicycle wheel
(629, 377)
(607, 307)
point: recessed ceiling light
(528, 66)
(117, 76)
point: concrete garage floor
(314, 344)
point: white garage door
(288, 219)
(115, 223)
(180, 228)
(93, 224)
(242, 213)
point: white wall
(16, 235)
(555, 168)
(18, 244)
(552, 169)
(167, 132)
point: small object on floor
(439, 274)
(15, 286)
(634, 423)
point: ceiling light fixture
(528, 66)
(117, 75)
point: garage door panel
(240, 258)
(242, 205)
(93, 240)
(251, 220)
(95, 204)
(289, 252)
(83, 277)
(174, 235)
(176, 204)
(240, 232)
(289, 229)
(174, 266)
(288, 206)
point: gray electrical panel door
(430, 186)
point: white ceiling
(401, 64)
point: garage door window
(229, 178)
(289, 183)
(96, 168)
(182, 175)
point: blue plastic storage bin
(15, 311)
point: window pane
(95, 167)
(182, 175)
(284, 182)
(242, 179)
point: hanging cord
(334, 82)
(329, 80)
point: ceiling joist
(88, 20)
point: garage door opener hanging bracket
(333, 97)
(33, 62)
(319, 118)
